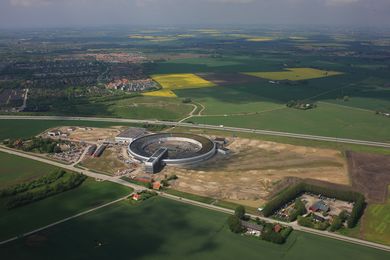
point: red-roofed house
(277, 228)
(136, 196)
(156, 185)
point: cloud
(341, 2)
(27, 3)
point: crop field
(171, 82)
(174, 231)
(295, 74)
(15, 170)
(160, 93)
(40, 213)
(150, 108)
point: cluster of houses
(132, 85)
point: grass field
(15, 169)
(326, 119)
(295, 74)
(163, 229)
(375, 224)
(26, 218)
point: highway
(294, 225)
(203, 126)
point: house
(156, 185)
(277, 228)
(251, 226)
(54, 132)
(136, 196)
(319, 205)
(318, 218)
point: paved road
(176, 198)
(203, 126)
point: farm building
(91, 150)
(130, 134)
(100, 150)
(319, 205)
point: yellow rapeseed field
(259, 39)
(170, 82)
(294, 74)
(160, 93)
(181, 81)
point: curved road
(295, 226)
(203, 126)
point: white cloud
(27, 3)
(340, 2)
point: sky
(58, 13)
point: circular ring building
(161, 149)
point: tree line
(41, 188)
(294, 191)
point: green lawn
(164, 229)
(15, 169)
(26, 218)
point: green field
(326, 119)
(163, 229)
(15, 169)
(375, 223)
(89, 195)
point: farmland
(171, 82)
(295, 74)
(15, 170)
(176, 230)
(375, 223)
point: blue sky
(52, 13)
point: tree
(336, 224)
(235, 224)
(240, 212)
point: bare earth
(90, 134)
(254, 167)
